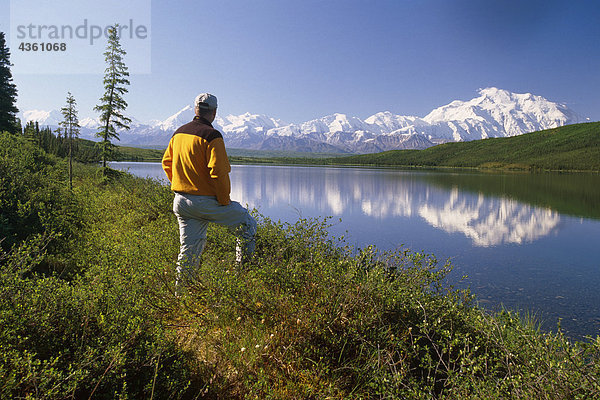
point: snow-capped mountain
(183, 116)
(497, 113)
(49, 118)
(89, 123)
(494, 113)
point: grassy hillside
(88, 309)
(571, 147)
(125, 153)
(122, 153)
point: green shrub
(90, 336)
(312, 319)
(34, 197)
(309, 318)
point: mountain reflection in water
(381, 194)
(490, 221)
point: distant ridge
(573, 147)
(494, 113)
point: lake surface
(529, 242)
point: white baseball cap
(205, 101)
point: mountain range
(494, 113)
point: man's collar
(202, 120)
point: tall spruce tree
(70, 125)
(112, 105)
(8, 91)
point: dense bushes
(33, 198)
(314, 320)
(85, 328)
(309, 318)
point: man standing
(196, 163)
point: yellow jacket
(196, 161)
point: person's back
(197, 166)
(196, 161)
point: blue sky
(300, 60)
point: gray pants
(194, 213)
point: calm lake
(529, 242)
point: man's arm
(167, 161)
(219, 168)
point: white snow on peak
(493, 113)
(331, 124)
(254, 122)
(43, 118)
(90, 123)
(185, 115)
(386, 122)
(498, 112)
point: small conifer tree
(112, 104)
(70, 125)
